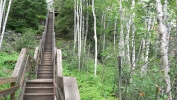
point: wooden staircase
(42, 87)
(40, 77)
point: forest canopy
(26, 14)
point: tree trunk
(143, 70)
(115, 31)
(133, 39)
(95, 37)
(121, 38)
(85, 37)
(149, 24)
(4, 25)
(104, 27)
(163, 31)
(2, 6)
(75, 24)
(79, 36)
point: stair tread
(41, 80)
(45, 64)
(43, 69)
(38, 87)
(44, 75)
(38, 93)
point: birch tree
(80, 35)
(133, 38)
(149, 22)
(115, 31)
(3, 26)
(86, 32)
(78, 29)
(95, 37)
(121, 38)
(127, 51)
(164, 40)
(75, 23)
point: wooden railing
(25, 69)
(66, 87)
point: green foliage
(87, 82)
(7, 63)
(26, 13)
(100, 87)
(65, 20)
(27, 40)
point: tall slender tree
(164, 40)
(5, 21)
(95, 36)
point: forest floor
(90, 87)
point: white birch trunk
(176, 17)
(149, 24)
(163, 31)
(115, 31)
(80, 35)
(95, 37)
(75, 24)
(121, 38)
(85, 37)
(133, 39)
(127, 51)
(104, 27)
(143, 70)
(2, 6)
(4, 24)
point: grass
(7, 63)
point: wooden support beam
(69, 88)
(31, 57)
(36, 53)
(59, 63)
(4, 80)
(8, 91)
(12, 95)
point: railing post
(12, 96)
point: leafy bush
(27, 40)
(7, 63)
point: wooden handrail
(18, 75)
(4, 80)
(19, 65)
(31, 57)
(8, 91)
(59, 63)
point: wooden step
(47, 59)
(50, 50)
(45, 67)
(38, 96)
(47, 52)
(44, 76)
(47, 63)
(45, 70)
(40, 83)
(39, 90)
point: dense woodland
(117, 49)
